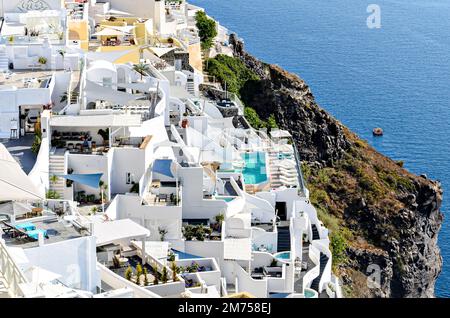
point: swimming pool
(226, 199)
(283, 256)
(255, 167)
(310, 293)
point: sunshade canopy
(110, 32)
(163, 166)
(15, 208)
(118, 230)
(91, 180)
(14, 183)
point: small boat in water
(377, 131)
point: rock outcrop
(393, 216)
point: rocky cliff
(386, 218)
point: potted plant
(146, 282)
(184, 121)
(162, 233)
(128, 273)
(164, 276)
(155, 273)
(139, 272)
(43, 61)
(94, 210)
(62, 53)
(104, 133)
(274, 263)
(219, 218)
(175, 270)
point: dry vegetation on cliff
(377, 212)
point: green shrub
(36, 146)
(338, 246)
(253, 119)
(206, 29)
(318, 197)
(230, 72)
(52, 194)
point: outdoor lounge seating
(28, 226)
(35, 233)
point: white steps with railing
(4, 61)
(3, 287)
(190, 87)
(57, 167)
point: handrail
(11, 272)
(299, 171)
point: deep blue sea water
(396, 77)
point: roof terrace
(26, 79)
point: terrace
(25, 234)
(94, 134)
(163, 193)
(33, 27)
(27, 79)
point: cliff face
(390, 217)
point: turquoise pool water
(226, 199)
(255, 167)
(309, 293)
(284, 256)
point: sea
(376, 63)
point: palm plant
(141, 68)
(164, 275)
(63, 54)
(145, 277)
(54, 178)
(155, 273)
(174, 269)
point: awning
(163, 166)
(110, 32)
(278, 133)
(143, 87)
(160, 51)
(91, 180)
(14, 183)
(15, 208)
(119, 230)
(100, 121)
(98, 92)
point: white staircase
(4, 62)
(283, 172)
(190, 87)
(3, 287)
(57, 167)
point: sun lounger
(28, 226)
(35, 233)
